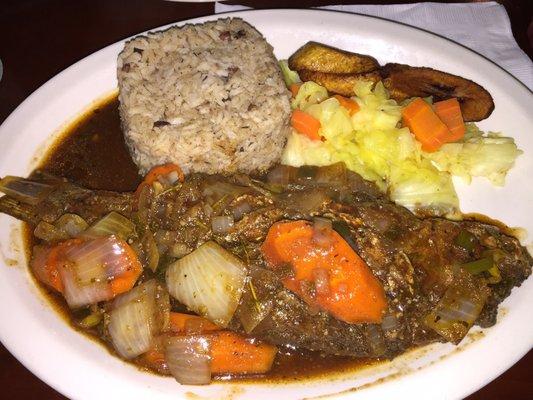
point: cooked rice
(209, 97)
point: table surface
(41, 38)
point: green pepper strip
(466, 240)
(475, 267)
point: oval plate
(82, 369)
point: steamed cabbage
(373, 144)
(489, 156)
(289, 76)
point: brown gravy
(93, 154)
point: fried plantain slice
(321, 58)
(404, 81)
(342, 84)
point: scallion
(475, 267)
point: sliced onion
(241, 209)
(209, 281)
(81, 295)
(188, 359)
(282, 175)
(49, 233)
(322, 228)
(39, 264)
(375, 340)
(137, 316)
(88, 267)
(179, 250)
(255, 304)
(25, 190)
(222, 225)
(112, 224)
(309, 202)
(332, 175)
(458, 309)
(151, 250)
(97, 260)
(72, 224)
(222, 190)
(389, 322)
(321, 278)
(67, 226)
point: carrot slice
(347, 103)
(158, 171)
(126, 281)
(231, 353)
(427, 127)
(294, 88)
(449, 111)
(48, 269)
(353, 293)
(46, 265)
(305, 124)
(234, 354)
(182, 323)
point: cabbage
(289, 76)
(309, 93)
(489, 156)
(371, 144)
(422, 186)
(377, 111)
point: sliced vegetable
(490, 156)
(45, 268)
(294, 88)
(466, 240)
(221, 225)
(190, 324)
(309, 93)
(221, 194)
(88, 271)
(91, 320)
(151, 252)
(390, 322)
(347, 103)
(305, 124)
(209, 281)
(235, 354)
(458, 309)
(354, 294)
(65, 227)
(422, 121)
(112, 224)
(241, 209)
(169, 174)
(256, 302)
(477, 266)
(489, 263)
(188, 359)
(281, 175)
(449, 112)
(25, 190)
(421, 186)
(136, 317)
(227, 352)
(289, 75)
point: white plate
(81, 369)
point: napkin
(483, 27)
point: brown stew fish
(241, 266)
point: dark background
(39, 38)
